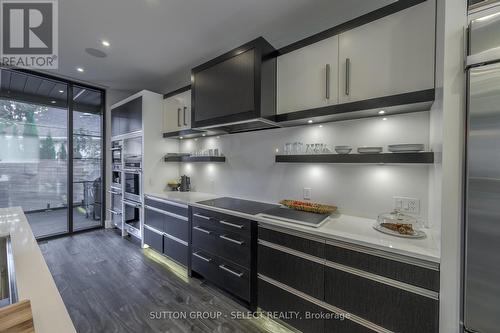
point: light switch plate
(307, 193)
(407, 205)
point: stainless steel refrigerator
(482, 234)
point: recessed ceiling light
(105, 43)
(218, 137)
(381, 112)
(53, 102)
(310, 121)
(80, 69)
(61, 91)
(203, 134)
(384, 118)
(320, 126)
(181, 137)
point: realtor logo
(29, 35)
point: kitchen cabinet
(177, 112)
(308, 77)
(389, 56)
(393, 308)
(376, 289)
(169, 220)
(223, 248)
(127, 117)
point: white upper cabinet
(177, 112)
(308, 77)
(389, 56)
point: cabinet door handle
(238, 226)
(202, 230)
(202, 216)
(202, 257)
(327, 70)
(179, 117)
(113, 192)
(347, 76)
(223, 267)
(184, 118)
(224, 237)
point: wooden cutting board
(17, 318)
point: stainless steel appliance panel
(482, 260)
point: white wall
(361, 190)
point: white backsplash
(360, 190)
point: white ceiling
(155, 43)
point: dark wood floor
(109, 285)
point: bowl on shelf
(343, 149)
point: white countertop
(33, 278)
(352, 229)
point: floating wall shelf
(219, 159)
(393, 158)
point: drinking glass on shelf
(288, 148)
(297, 147)
(318, 148)
(309, 148)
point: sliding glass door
(51, 152)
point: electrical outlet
(307, 193)
(407, 205)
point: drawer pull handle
(114, 212)
(202, 216)
(238, 226)
(202, 257)
(224, 237)
(223, 267)
(202, 230)
(113, 192)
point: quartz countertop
(33, 278)
(346, 228)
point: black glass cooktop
(239, 205)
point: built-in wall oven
(116, 152)
(132, 174)
(132, 218)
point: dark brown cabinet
(390, 307)
(371, 289)
(301, 274)
(223, 248)
(169, 220)
(127, 118)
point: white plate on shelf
(417, 233)
(406, 148)
(370, 150)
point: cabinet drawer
(227, 245)
(397, 270)
(226, 275)
(387, 306)
(272, 298)
(176, 227)
(305, 245)
(166, 205)
(301, 274)
(153, 239)
(176, 250)
(154, 219)
(221, 221)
